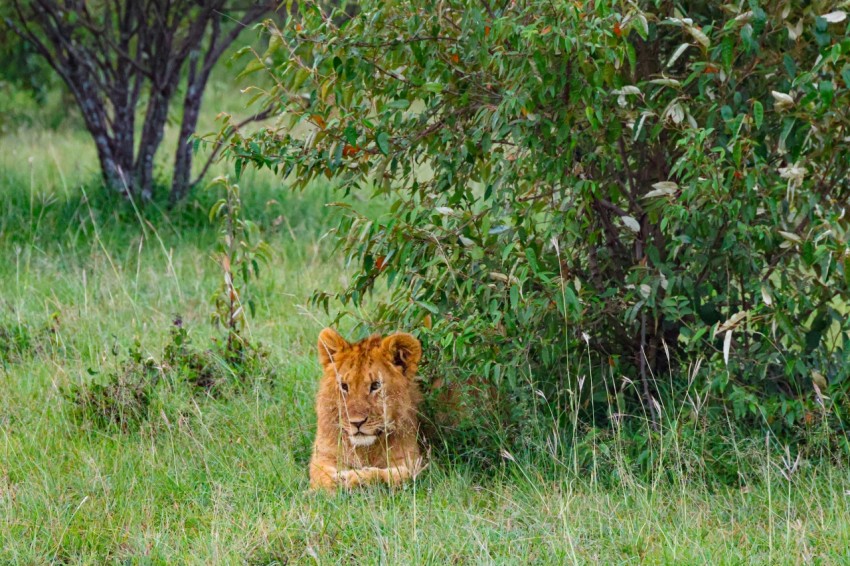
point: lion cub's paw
(346, 478)
(353, 478)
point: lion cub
(366, 409)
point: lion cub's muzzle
(364, 433)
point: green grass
(223, 480)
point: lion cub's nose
(358, 424)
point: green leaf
(758, 114)
(728, 50)
(431, 307)
(532, 259)
(826, 92)
(845, 75)
(787, 126)
(253, 66)
(216, 208)
(572, 299)
(350, 134)
(383, 141)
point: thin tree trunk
(196, 85)
(123, 126)
(115, 171)
(152, 134)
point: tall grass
(223, 480)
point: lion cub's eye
(375, 386)
(344, 387)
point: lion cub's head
(368, 388)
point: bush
(587, 198)
(217, 370)
(19, 339)
(121, 398)
(125, 398)
(234, 362)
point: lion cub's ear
(330, 344)
(404, 350)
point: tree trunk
(123, 126)
(114, 168)
(152, 134)
(195, 87)
(113, 175)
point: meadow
(222, 479)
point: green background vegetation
(89, 288)
(225, 479)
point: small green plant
(241, 250)
(18, 339)
(122, 397)
(15, 341)
(189, 364)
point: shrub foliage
(653, 193)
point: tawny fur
(384, 448)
